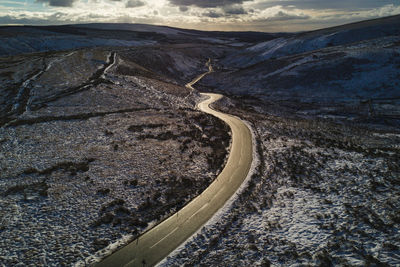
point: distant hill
(29, 39)
(355, 65)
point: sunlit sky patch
(255, 15)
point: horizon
(189, 29)
(221, 15)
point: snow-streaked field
(324, 194)
(15, 45)
(91, 157)
(99, 144)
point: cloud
(234, 10)
(324, 4)
(183, 8)
(206, 3)
(22, 19)
(134, 3)
(213, 14)
(282, 15)
(60, 3)
(387, 10)
(337, 18)
(40, 18)
(279, 14)
(285, 15)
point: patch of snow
(101, 254)
(242, 44)
(214, 40)
(290, 66)
(296, 220)
(112, 65)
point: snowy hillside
(309, 41)
(321, 73)
(16, 40)
(16, 45)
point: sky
(226, 15)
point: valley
(102, 139)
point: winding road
(198, 78)
(155, 244)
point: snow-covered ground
(352, 81)
(315, 40)
(324, 195)
(99, 144)
(88, 166)
(17, 45)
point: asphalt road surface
(155, 244)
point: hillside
(349, 71)
(94, 150)
(100, 140)
(16, 40)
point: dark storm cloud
(135, 3)
(206, 3)
(62, 3)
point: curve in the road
(198, 78)
(158, 242)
